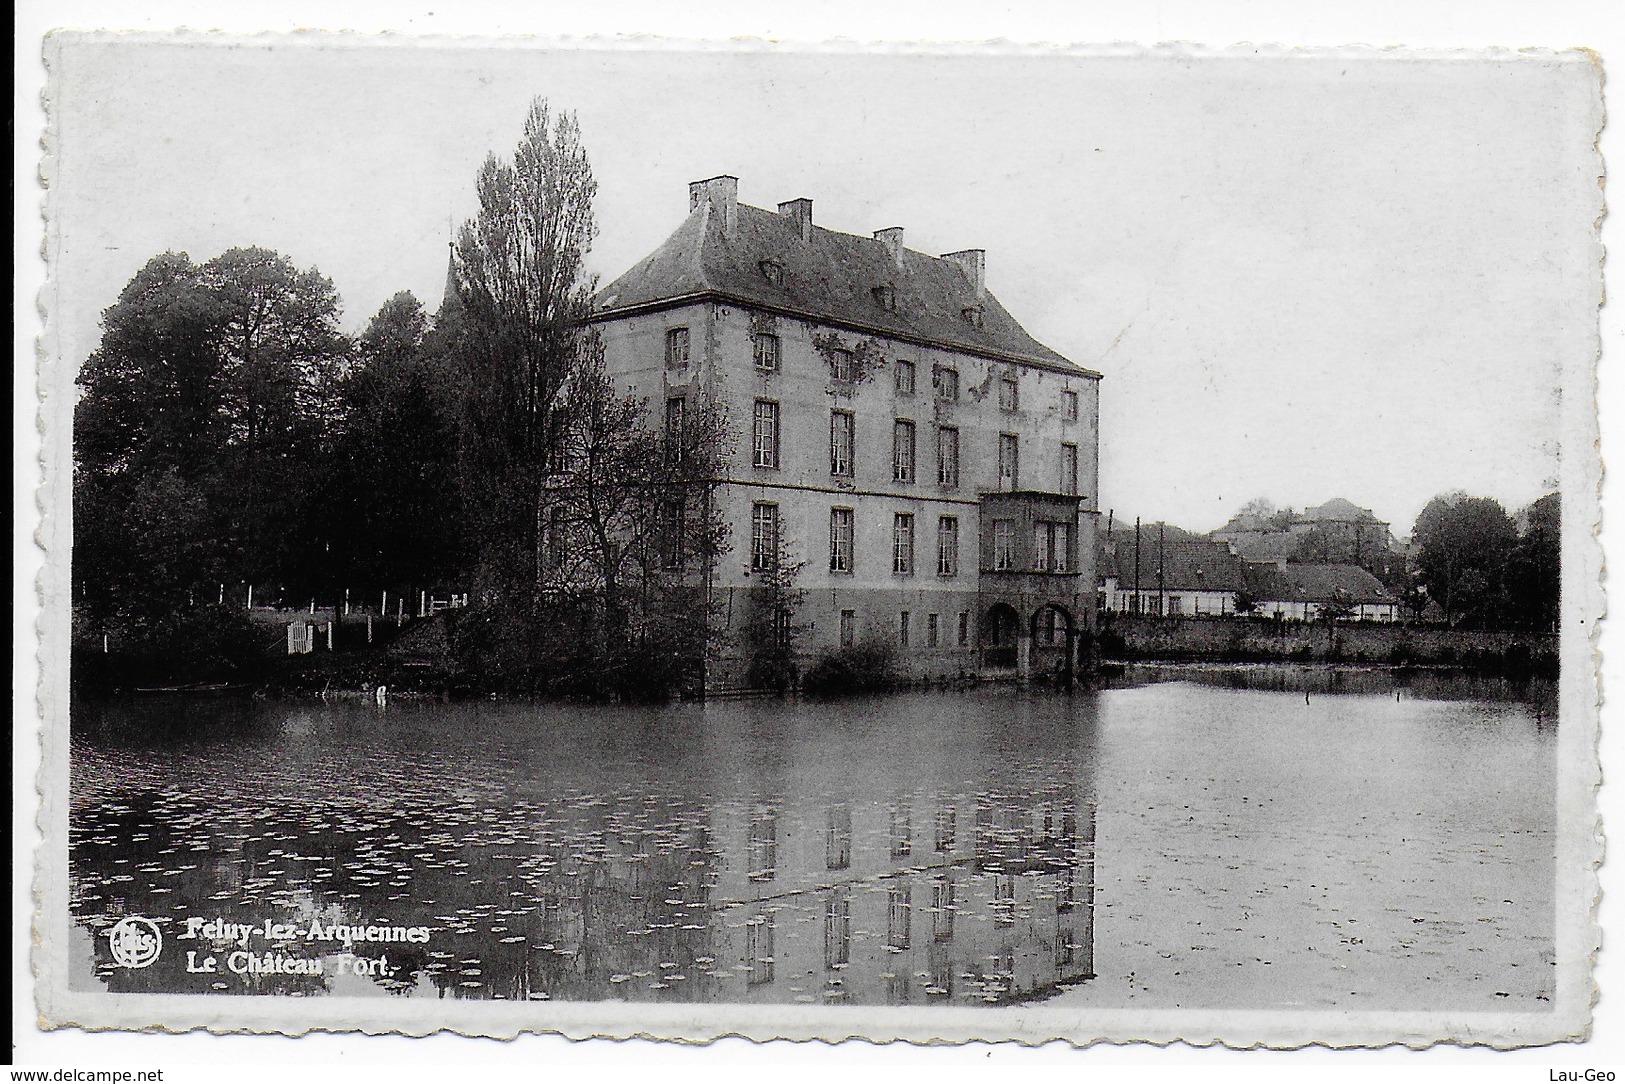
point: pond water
(1198, 837)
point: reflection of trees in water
(141, 854)
(654, 898)
(956, 845)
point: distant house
(1188, 577)
(1298, 591)
(1338, 531)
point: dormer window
(972, 315)
(772, 271)
(886, 297)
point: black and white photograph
(946, 543)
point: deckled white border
(1579, 843)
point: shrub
(867, 666)
(189, 644)
(1112, 644)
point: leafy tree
(152, 390)
(771, 627)
(197, 438)
(522, 292)
(392, 511)
(628, 514)
(1260, 514)
(281, 358)
(1463, 545)
(1535, 568)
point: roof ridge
(832, 276)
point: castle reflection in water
(799, 877)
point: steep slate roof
(830, 278)
(1196, 565)
(1338, 509)
(1261, 545)
(1295, 582)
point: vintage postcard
(688, 539)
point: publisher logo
(135, 941)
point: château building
(929, 464)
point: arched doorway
(1001, 630)
(1054, 639)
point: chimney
(720, 192)
(801, 211)
(973, 262)
(893, 240)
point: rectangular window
(759, 949)
(902, 451)
(1004, 545)
(898, 916)
(902, 832)
(903, 375)
(676, 347)
(1009, 392)
(1052, 543)
(849, 627)
(837, 930)
(764, 843)
(765, 434)
(939, 967)
(1069, 405)
(840, 443)
(838, 838)
(841, 365)
(902, 544)
(942, 910)
(1069, 469)
(948, 546)
(945, 382)
(1009, 450)
(902, 627)
(764, 537)
(948, 457)
(933, 630)
(964, 628)
(1004, 900)
(765, 349)
(947, 826)
(840, 540)
(1066, 946)
(1175, 605)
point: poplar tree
(523, 292)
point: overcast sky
(1302, 278)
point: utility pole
(1136, 564)
(1162, 595)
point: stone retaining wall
(1140, 637)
